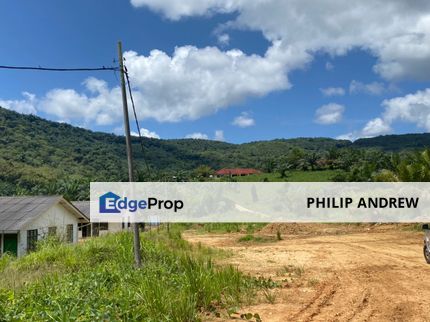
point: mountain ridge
(34, 150)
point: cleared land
(332, 272)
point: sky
(232, 70)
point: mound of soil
(329, 229)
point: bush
(247, 238)
(96, 281)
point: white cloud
(333, 91)
(143, 132)
(374, 88)
(196, 82)
(146, 133)
(223, 39)
(329, 114)
(24, 106)
(97, 104)
(375, 127)
(190, 84)
(119, 130)
(412, 108)
(197, 135)
(348, 136)
(219, 135)
(174, 9)
(400, 41)
(244, 120)
(329, 66)
(102, 106)
(193, 82)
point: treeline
(354, 165)
(42, 157)
(357, 165)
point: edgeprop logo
(110, 203)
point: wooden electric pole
(136, 244)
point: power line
(135, 118)
(49, 69)
(82, 69)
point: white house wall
(56, 216)
(113, 227)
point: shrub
(96, 281)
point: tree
(203, 171)
(412, 168)
(312, 160)
(283, 169)
(269, 165)
(296, 158)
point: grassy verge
(413, 227)
(292, 176)
(96, 281)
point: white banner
(259, 202)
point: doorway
(10, 244)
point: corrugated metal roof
(83, 206)
(15, 212)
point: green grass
(292, 176)
(229, 227)
(246, 238)
(96, 281)
(255, 239)
(413, 227)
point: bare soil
(333, 273)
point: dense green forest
(43, 157)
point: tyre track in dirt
(371, 276)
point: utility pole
(136, 244)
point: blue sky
(232, 72)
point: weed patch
(291, 270)
(313, 282)
(96, 281)
(256, 239)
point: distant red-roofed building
(236, 172)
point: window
(104, 226)
(69, 233)
(95, 229)
(52, 231)
(31, 240)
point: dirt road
(357, 276)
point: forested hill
(28, 141)
(34, 150)
(396, 142)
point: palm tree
(283, 169)
(416, 168)
(203, 171)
